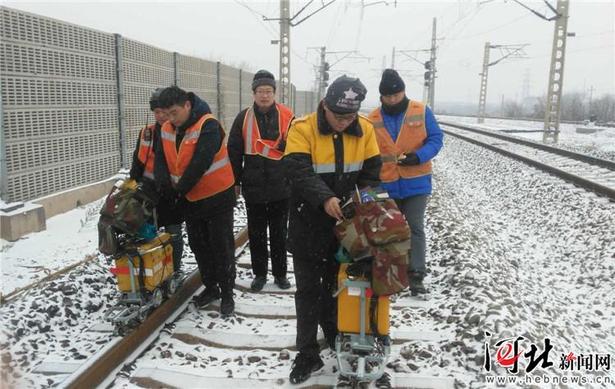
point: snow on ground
(68, 239)
(599, 144)
(513, 251)
(522, 254)
(51, 321)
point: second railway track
(594, 174)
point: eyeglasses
(264, 92)
(344, 118)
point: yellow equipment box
(349, 308)
(157, 256)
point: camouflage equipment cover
(383, 222)
(390, 268)
(126, 208)
(351, 236)
(107, 237)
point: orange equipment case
(157, 257)
(349, 307)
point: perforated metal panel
(246, 89)
(230, 89)
(198, 76)
(22, 26)
(145, 68)
(305, 103)
(59, 103)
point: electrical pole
(432, 61)
(284, 94)
(589, 106)
(513, 51)
(286, 22)
(393, 59)
(322, 73)
(482, 100)
(556, 73)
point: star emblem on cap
(350, 94)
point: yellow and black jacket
(320, 164)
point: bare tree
(513, 109)
(604, 108)
(539, 108)
(573, 107)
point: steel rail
(97, 371)
(573, 178)
(555, 150)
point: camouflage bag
(127, 208)
(108, 243)
(390, 268)
(383, 222)
(125, 211)
(351, 236)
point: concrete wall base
(22, 221)
(32, 217)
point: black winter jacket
(310, 227)
(262, 180)
(167, 213)
(207, 146)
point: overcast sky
(234, 32)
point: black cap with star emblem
(345, 95)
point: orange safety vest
(411, 137)
(216, 179)
(254, 145)
(146, 150)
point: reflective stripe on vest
(219, 175)
(212, 168)
(254, 144)
(321, 168)
(411, 136)
(146, 150)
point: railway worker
(409, 137)
(256, 146)
(142, 170)
(327, 153)
(195, 170)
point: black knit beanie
(263, 77)
(391, 83)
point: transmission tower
(556, 70)
(286, 22)
(506, 51)
(556, 73)
(284, 52)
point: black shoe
(282, 282)
(227, 305)
(416, 284)
(208, 296)
(258, 283)
(303, 366)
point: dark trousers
(314, 301)
(275, 216)
(212, 242)
(177, 241)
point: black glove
(410, 160)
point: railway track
(594, 174)
(262, 328)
